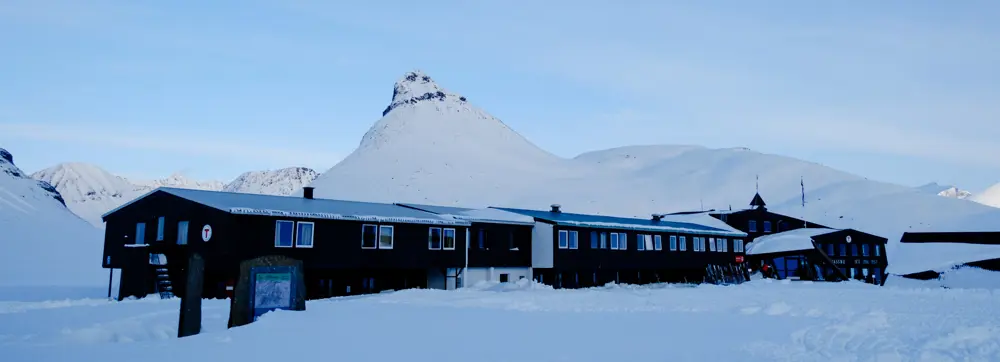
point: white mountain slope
(432, 146)
(990, 197)
(285, 181)
(90, 191)
(44, 244)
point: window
(694, 242)
(753, 226)
(573, 241)
(283, 233)
(658, 242)
(711, 244)
(449, 239)
(829, 250)
(182, 233)
(593, 240)
(877, 252)
(140, 233)
(504, 277)
(434, 239)
(683, 244)
(304, 234)
(369, 236)
(482, 239)
(673, 242)
(738, 246)
(511, 245)
(385, 236)
(864, 249)
(563, 239)
(767, 226)
(723, 245)
(854, 249)
(622, 241)
(159, 228)
(614, 241)
(604, 240)
(843, 249)
(640, 242)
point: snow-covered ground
(757, 321)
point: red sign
(739, 258)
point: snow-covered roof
(792, 240)
(909, 258)
(271, 205)
(612, 222)
(701, 218)
(487, 215)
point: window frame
(622, 241)
(444, 237)
(657, 242)
(430, 238)
(298, 234)
(392, 236)
(767, 226)
(374, 242)
(573, 240)
(614, 241)
(865, 250)
(682, 243)
(711, 244)
(673, 242)
(604, 240)
(640, 242)
(593, 240)
(182, 236)
(277, 234)
(752, 225)
(562, 239)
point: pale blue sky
(900, 91)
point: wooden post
(111, 278)
(190, 317)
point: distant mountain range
(90, 191)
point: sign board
(848, 238)
(739, 258)
(271, 288)
(206, 233)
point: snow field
(756, 321)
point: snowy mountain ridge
(38, 232)
(446, 151)
(945, 191)
(989, 197)
(90, 191)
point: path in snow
(758, 321)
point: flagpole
(803, 184)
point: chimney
(307, 192)
(657, 217)
(555, 208)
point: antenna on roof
(803, 184)
(756, 184)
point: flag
(803, 184)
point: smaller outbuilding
(822, 254)
(927, 254)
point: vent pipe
(555, 208)
(657, 217)
(307, 192)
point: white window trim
(640, 242)
(682, 243)
(613, 243)
(312, 238)
(767, 227)
(183, 236)
(363, 226)
(711, 244)
(454, 234)
(430, 241)
(562, 235)
(392, 237)
(622, 241)
(752, 225)
(657, 240)
(277, 233)
(673, 242)
(573, 235)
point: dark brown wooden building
(346, 247)
(822, 254)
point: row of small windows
(568, 239)
(300, 234)
(140, 231)
(753, 226)
(865, 250)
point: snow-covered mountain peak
(945, 191)
(5, 155)
(285, 181)
(415, 87)
(178, 179)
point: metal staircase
(162, 281)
